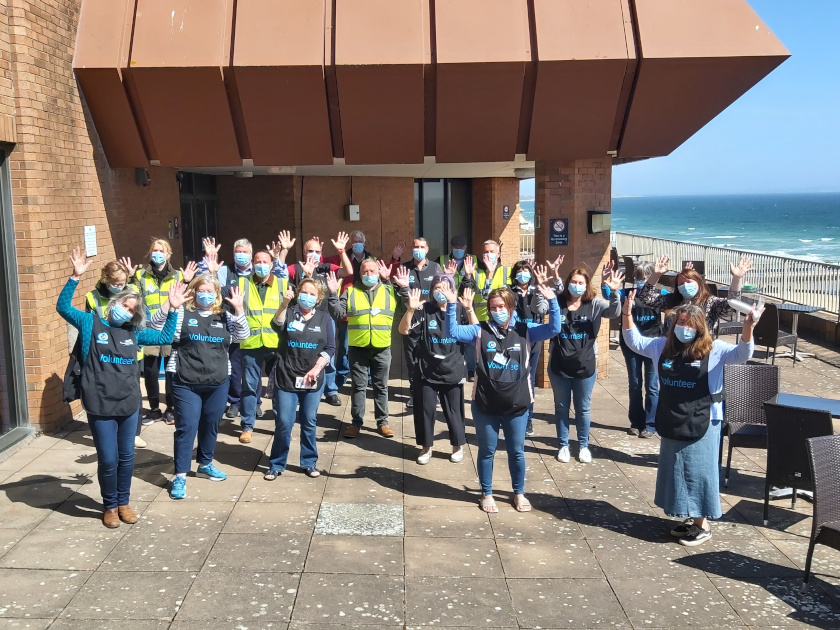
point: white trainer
(563, 455)
(457, 455)
(425, 456)
(584, 457)
(139, 442)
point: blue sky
(781, 136)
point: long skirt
(687, 478)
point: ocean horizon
(801, 225)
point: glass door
(443, 209)
(199, 204)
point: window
(443, 209)
(198, 211)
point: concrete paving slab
(368, 600)
(446, 601)
(280, 519)
(447, 522)
(563, 558)
(566, 603)
(379, 555)
(360, 519)
(79, 550)
(240, 597)
(452, 557)
(258, 552)
(38, 593)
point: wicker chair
(746, 388)
(767, 333)
(824, 455)
(698, 265)
(629, 270)
(728, 328)
(788, 430)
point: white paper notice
(90, 240)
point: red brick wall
(489, 196)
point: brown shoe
(245, 437)
(385, 431)
(126, 514)
(110, 519)
(352, 431)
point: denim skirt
(687, 478)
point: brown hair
(110, 270)
(588, 295)
(700, 346)
(319, 288)
(703, 294)
(206, 278)
(506, 295)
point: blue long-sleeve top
(465, 333)
(84, 322)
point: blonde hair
(206, 278)
(163, 243)
(506, 295)
(110, 270)
(319, 287)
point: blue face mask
(688, 290)
(205, 298)
(262, 269)
(307, 301)
(440, 298)
(119, 315)
(491, 257)
(369, 281)
(523, 277)
(640, 284)
(458, 254)
(418, 253)
(500, 317)
(158, 258)
(358, 248)
(684, 333)
(577, 289)
(242, 259)
(116, 288)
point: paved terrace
(379, 541)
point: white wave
(731, 236)
(826, 240)
(692, 228)
(806, 240)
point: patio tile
(365, 600)
(280, 519)
(360, 519)
(76, 550)
(258, 553)
(452, 557)
(442, 601)
(240, 597)
(38, 593)
(552, 558)
(375, 555)
(566, 603)
(448, 522)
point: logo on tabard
(696, 364)
(102, 337)
(217, 325)
(315, 329)
(562, 319)
(126, 342)
(432, 325)
(192, 322)
(491, 345)
(668, 364)
(411, 279)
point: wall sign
(90, 240)
(558, 232)
(506, 212)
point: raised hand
(189, 273)
(627, 307)
(541, 274)
(547, 291)
(340, 241)
(607, 271)
(414, 301)
(491, 266)
(451, 267)
(80, 261)
(451, 296)
(286, 240)
(753, 316)
(333, 283)
(466, 298)
(615, 281)
(469, 266)
(384, 270)
(274, 248)
(741, 269)
(178, 295)
(398, 250)
(308, 267)
(236, 300)
(689, 265)
(210, 246)
(288, 296)
(661, 265)
(212, 262)
(401, 277)
(125, 261)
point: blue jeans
(563, 389)
(285, 412)
(469, 355)
(642, 414)
(535, 360)
(330, 374)
(487, 431)
(252, 367)
(342, 359)
(198, 410)
(235, 389)
(114, 442)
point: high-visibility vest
(154, 293)
(259, 313)
(97, 303)
(500, 279)
(459, 273)
(370, 324)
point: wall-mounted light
(599, 221)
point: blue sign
(558, 232)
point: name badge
(296, 325)
(374, 312)
(500, 359)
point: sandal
(271, 474)
(488, 504)
(521, 503)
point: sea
(803, 225)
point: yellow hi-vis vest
(370, 324)
(96, 303)
(500, 279)
(459, 273)
(259, 313)
(154, 294)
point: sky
(782, 136)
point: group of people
(312, 324)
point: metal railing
(787, 279)
(526, 246)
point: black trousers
(151, 375)
(426, 396)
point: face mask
(358, 248)
(500, 317)
(523, 277)
(684, 333)
(314, 257)
(262, 269)
(440, 298)
(688, 290)
(491, 258)
(158, 258)
(119, 315)
(369, 281)
(640, 284)
(577, 289)
(458, 254)
(418, 253)
(242, 259)
(307, 301)
(205, 298)
(116, 288)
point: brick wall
(489, 196)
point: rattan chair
(788, 430)
(728, 328)
(698, 265)
(629, 270)
(824, 456)
(766, 333)
(747, 387)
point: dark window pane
(434, 223)
(187, 230)
(460, 207)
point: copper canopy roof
(213, 83)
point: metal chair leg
(810, 557)
(766, 501)
(728, 464)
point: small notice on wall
(558, 232)
(90, 240)
(505, 212)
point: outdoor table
(636, 257)
(795, 310)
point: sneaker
(151, 416)
(409, 403)
(259, 413)
(529, 430)
(210, 472)
(563, 455)
(696, 536)
(457, 454)
(645, 434)
(333, 400)
(178, 488)
(471, 376)
(245, 437)
(633, 431)
(169, 417)
(232, 411)
(139, 442)
(425, 456)
(584, 457)
(683, 528)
